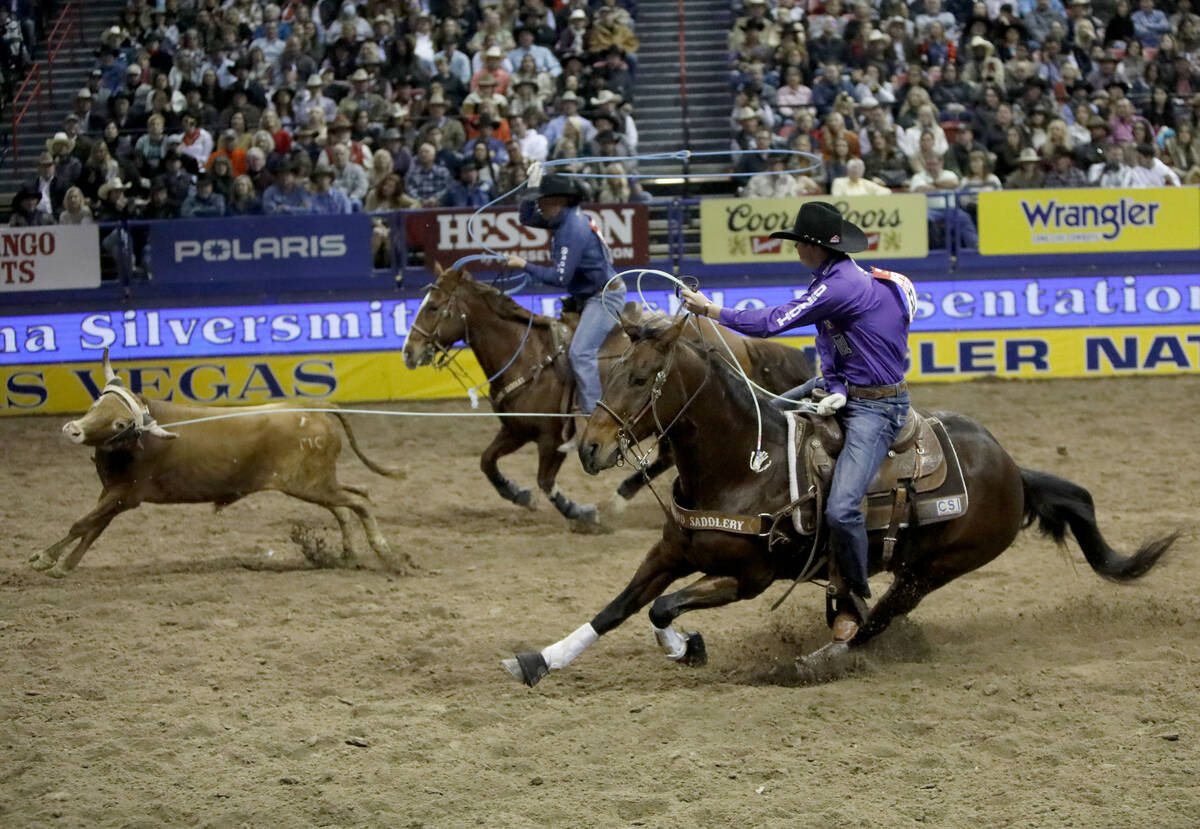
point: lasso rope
(259, 413)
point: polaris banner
(260, 248)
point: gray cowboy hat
(820, 223)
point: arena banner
(445, 237)
(1089, 221)
(51, 258)
(1022, 327)
(739, 230)
(61, 388)
(354, 377)
(259, 248)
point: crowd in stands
(955, 95)
(200, 108)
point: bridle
(444, 356)
(447, 359)
(626, 439)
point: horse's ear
(631, 322)
(668, 336)
(438, 270)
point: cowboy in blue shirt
(862, 319)
(582, 264)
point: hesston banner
(739, 230)
(61, 257)
(1089, 221)
(445, 237)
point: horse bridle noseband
(626, 439)
(444, 356)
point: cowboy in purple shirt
(862, 320)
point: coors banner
(445, 236)
(739, 230)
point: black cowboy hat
(820, 223)
(558, 185)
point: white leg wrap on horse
(560, 654)
(671, 642)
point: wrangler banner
(1085, 221)
(739, 230)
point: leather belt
(877, 392)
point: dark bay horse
(458, 308)
(713, 435)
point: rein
(447, 359)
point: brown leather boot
(845, 626)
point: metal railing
(66, 24)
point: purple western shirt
(862, 324)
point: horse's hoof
(618, 503)
(824, 664)
(39, 562)
(587, 521)
(524, 498)
(696, 655)
(527, 667)
(57, 573)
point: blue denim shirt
(581, 261)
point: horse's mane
(507, 308)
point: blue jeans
(870, 426)
(968, 236)
(600, 313)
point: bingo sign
(1089, 221)
(739, 230)
(62, 257)
(446, 237)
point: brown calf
(221, 461)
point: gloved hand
(830, 403)
(535, 176)
(695, 301)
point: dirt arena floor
(195, 671)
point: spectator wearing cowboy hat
(361, 97)
(26, 211)
(485, 93)
(581, 264)
(543, 59)
(568, 108)
(288, 194)
(862, 320)
(67, 168)
(1029, 174)
(453, 134)
(203, 202)
(468, 190)
(493, 60)
(313, 97)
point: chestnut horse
(713, 434)
(525, 354)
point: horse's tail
(398, 474)
(1057, 504)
